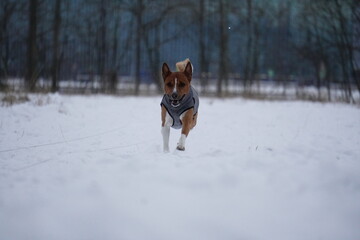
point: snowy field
(92, 167)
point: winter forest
(237, 47)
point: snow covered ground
(92, 167)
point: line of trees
(244, 41)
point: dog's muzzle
(175, 101)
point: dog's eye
(170, 85)
(181, 84)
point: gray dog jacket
(191, 100)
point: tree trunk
(247, 70)
(56, 47)
(202, 47)
(328, 79)
(113, 77)
(255, 55)
(223, 69)
(102, 48)
(139, 13)
(156, 60)
(32, 58)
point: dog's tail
(180, 66)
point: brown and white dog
(180, 103)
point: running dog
(180, 103)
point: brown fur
(163, 115)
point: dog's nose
(174, 95)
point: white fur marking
(165, 131)
(175, 90)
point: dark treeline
(243, 42)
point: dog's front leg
(166, 122)
(165, 131)
(186, 119)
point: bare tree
(223, 46)
(102, 43)
(113, 78)
(201, 15)
(105, 39)
(138, 11)
(32, 55)
(327, 24)
(7, 10)
(249, 43)
(56, 46)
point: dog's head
(176, 84)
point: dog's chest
(176, 113)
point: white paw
(181, 143)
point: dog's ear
(188, 70)
(165, 71)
